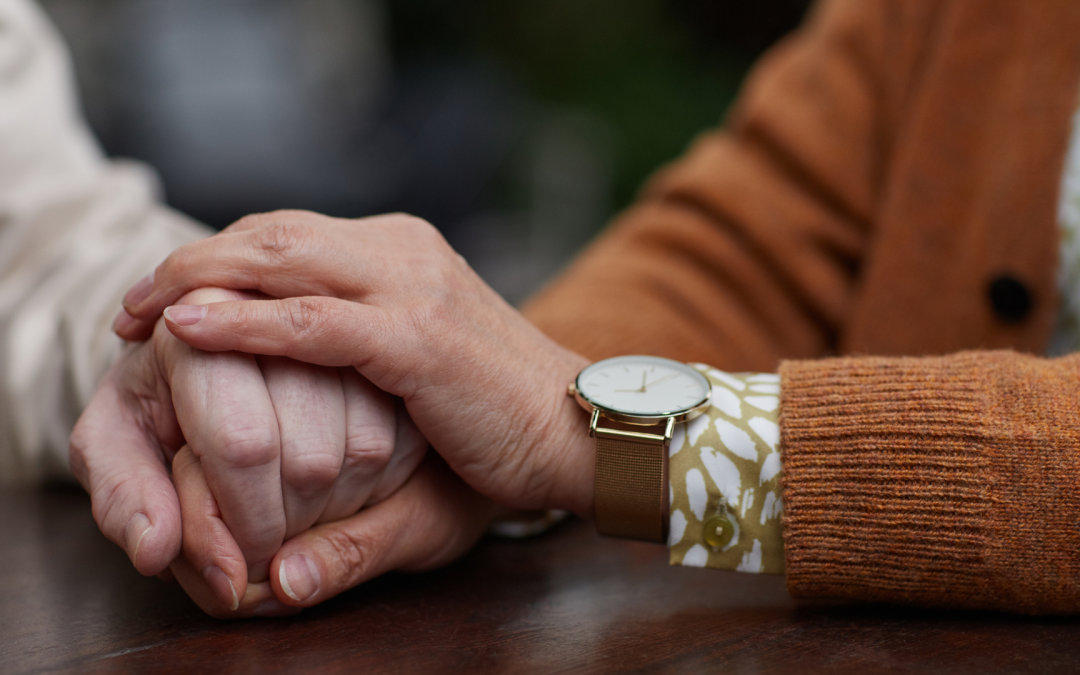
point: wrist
(571, 452)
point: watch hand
(669, 375)
(644, 386)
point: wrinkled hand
(388, 296)
(282, 445)
(430, 521)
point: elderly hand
(428, 522)
(284, 445)
(389, 297)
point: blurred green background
(655, 73)
(517, 128)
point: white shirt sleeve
(76, 230)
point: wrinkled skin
(279, 446)
(388, 297)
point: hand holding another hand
(388, 296)
(262, 448)
(430, 521)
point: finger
(369, 445)
(258, 600)
(131, 329)
(282, 254)
(229, 421)
(432, 520)
(124, 471)
(208, 545)
(410, 447)
(310, 406)
(318, 330)
(137, 330)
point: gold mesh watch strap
(630, 499)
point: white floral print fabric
(727, 463)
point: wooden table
(564, 602)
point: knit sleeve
(938, 481)
(745, 250)
(725, 469)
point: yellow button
(718, 531)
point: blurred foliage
(655, 72)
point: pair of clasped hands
(305, 403)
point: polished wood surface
(567, 601)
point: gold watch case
(677, 415)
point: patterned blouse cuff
(724, 470)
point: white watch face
(643, 385)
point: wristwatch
(635, 402)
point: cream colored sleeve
(76, 230)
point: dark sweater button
(1010, 298)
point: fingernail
(222, 586)
(140, 291)
(273, 607)
(123, 322)
(137, 528)
(299, 577)
(185, 315)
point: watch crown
(571, 389)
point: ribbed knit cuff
(930, 481)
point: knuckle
(293, 215)
(247, 222)
(369, 447)
(419, 233)
(282, 239)
(400, 219)
(311, 472)
(429, 238)
(247, 445)
(355, 554)
(304, 315)
(268, 218)
(310, 316)
(417, 225)
(177, 264)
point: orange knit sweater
(884, 167)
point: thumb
(133, 499)
(433, 519)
